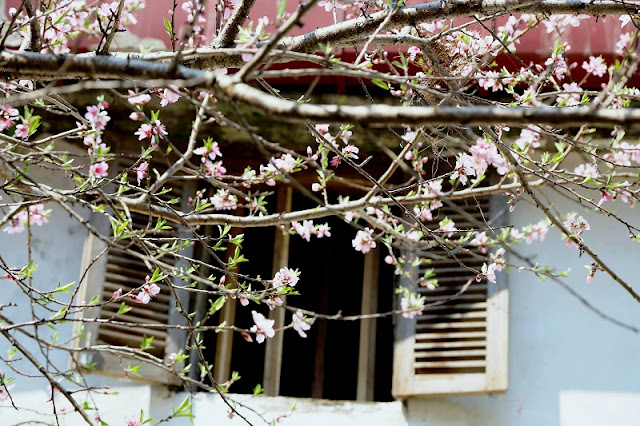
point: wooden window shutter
(460, 346)
(116, 269)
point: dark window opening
(325, 364)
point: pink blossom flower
(144, 131)
(323, 231)
(623, 43)
(263, 327)
(286, 163)
(423, 213)
(464, 167)
(169, 96)
(322, 128)
(15, 225)
(587, 170)
(299, 324)
(305, 230)
(97, 117)
(37, 214)
(413, 51)
(490, 272)
(286, 277)
(345, 135)
(99, 170)
(447, 226)
(136, 116)
(132, 421)
(8, 116)
(147, 293)
(216, 169)
(223, 200)
(595, 66)
(21, 131)
(138, 100)
(364, 241)
(159, 129)
(572, 97)
(412, 305)
(625, 19)
(210, 149)
(330, 4)
(490, 80)
(272, 302)
(350, 151)
(4, 392)
(141, 171)
(116, 294)
(480, 239)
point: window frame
(93, 270)
(407, 383)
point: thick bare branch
(445, 9)
(230, 29)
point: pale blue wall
(563, 357)
(555, 343)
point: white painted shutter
(460, 346)
(114, 270)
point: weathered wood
(367, 351)
(321, 331)
(224, 342)
(471, 343)
(273, 350)
(402, 384)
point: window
(461, 345)
(456, 347)
(327, 363)
(109, 268)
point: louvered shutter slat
(458, 345)
(118, 269)
(439, 335)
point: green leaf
(380, 83)
(135, 370)
(217, 305)
(160, 225)
(183, 409)
(167, 26)
(28, 270)
(258, 390)
(123, 184)
(157, 276)
(123, 309)
(146, 343)
(60, 313)
(64, 288)
(146, 153)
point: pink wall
(593, 37)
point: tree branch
(230, 30)
(444, 9)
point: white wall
(557, 347)
(56, 248)
(567, 365)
